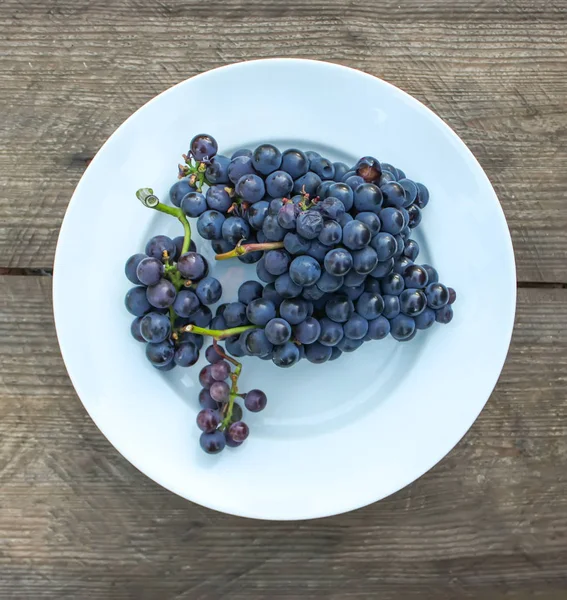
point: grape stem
(217, 334)
(225, 423)
(241, 249)
(147, 197)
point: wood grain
(78, 521)
(72, 71)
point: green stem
(241, 249)
(217, 334)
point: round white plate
(336, 436)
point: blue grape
(432, 275)
(209, 290)
(415, 277)
(286, 287)
(386, 177)
(155, 327)
(217, 169)
(410, 189)
(249, 290)
(241, 152)
(257, 213)
(235, 314)
(323, 187)
(393, 284)
(309, 224)
(186, 303)
(263, 273)
(391, 306)
(394, 195)
(340, 170)
(295, 163)
(220, 246)
(400, 245)
(444, 315)
(235, 230)
(364, 261)
(150, 270)
(203, 147)
(260, 311)
(425, 319)
(383, 268)
(317, 353)
(286, 355)
(251, 188)
(331, 332)
(371, 284)
(160, 244)
(209, 225)
(234, 347)
(331, 208)
(255, 400)
(411, 249)
(294, 310)
(414, 216)
(370, 305)
(422, 196)
(354, 182)
(160, 354)
(218, 199)
(368, 197)
(275, 206)
(339, 308)
(201, 317)
(354, 279)
(211, 353)
(312, 292)
(352, 292)
(192, 265)
(131, 266)
(437, 295)
(278, 331)
(344, 219)
(385, 245)
(218, 322)
(212, 443)
(368, 168)
(400, 174)
(371, 220)
(239, 167)
(307, 184)
(392, 220)
(273, 231)
(378, 328)
(266, 159)
(412, 302)
(287, 215)
(257, 344)
(186, 355)
(194, 204)
(303, 270)
(179, 241)
(322, 167)
(295, 244)
(331, 234)
(402, 327)
(338, 261)
(135, 329)
(178, 190)
(335, 353)
(317, 250)
(162, 294)
(278, 184)
(349, 345)
(343, 192)
(401, 264)
(356, 327)
(307, 331)
(330, 283)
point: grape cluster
(333, 252)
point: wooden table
(77, 520)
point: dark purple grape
(338, 261)
(378, 328)
(356, 235)
(220, 370)
(331, 234)
(269, 293)
(317, 353)
(294, 310)
(180, 189)
(349, 345)
(194, 204)
(273, 231)
(393, 284)
(317, 250)
(295, 163)
(444, 315)
(192, 266)
(277, 261)
(331, 208)
(257, 213)
(371, 220)
(304, 270)
(235, 230)
(286, 287)
(437, 295)
(162, 294)
(135, 329)
(402, 327)
(155, 327)
(394, 194)
(205, 400)
(217, 198)
(257, 344)
(206, 377)
(212, 355)
(278, 331)
(160, 245)
(414, 216)
(249, 290)
(323, 167)
(339, 308)
(295, 244)
(343, 192)
(266, 159)
(286, 355)
(391, 306)
(410, 189)
(279, 184)
(160, 354)
(217, 169)
(307, 331)
(392, 220)
(383, 268)
(370, 305)
(412, 302)
(353, 293)
(368, 197)
(330, 283)
(150, 270)
(186, 303)
(340, 170)
(432, 275)
(131, 266)
(136, 301)
(209, 225)
(260, 311)
(209, 290)
(238, 431)
(452, 295)
(186, 355)
(235, 314)
(203, 147)
(287, 215)
(263, 273)
(208, 420)
(411, 249)
(255, 400)
(385, 245)
(425, 319)
(219, 390)
(364, 261)
(354, 182)
(354, 279)
(368, 168)
(401, 264)
(422, 196)
(415, 277)
(307, 184)
(212, 443)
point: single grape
(304, 270)
(201, 317)
(340, 170)
(266, 159)
(238, 431)
(273, 231)
(307, 331)
(378, 328)
(392, 220)
(402, 327)
(180, 189)
(342, 192)
(410, 189)
(235, 230)
(131, 267)
(212, 443)
(241, 152)
(400, 174)
(349, 345)
(339, 308)
(239, 167)
(256, 343)
(425, 319)
(371, 284)
(412, 302)
(422, 196)
(192, 266)
(414, 216)
(217, 198)
(220, 391)
(208, 420)
(364, 261)
(186, 355)
(411, 249)
(209, 290)
(330, 283)
(338, 261)
(212, 355)
(370, 305)
(278, 331)
(206, 377)
(386, 177)
(295, 244)
(263, 273)
(275, 206)
(251, 188)
(371, 220)
(277, 261)
(269, 293)
(217, 169)
(260, 311)
(160, 354)
(279, 184)
(385, 245)
(391, 306)
(309, 224)
(186, 303)
(323, 188)
(135, 329)
(331, 234)
(368, 168)
(452, 294)
(354, 279)
(353, 293)
(393, 284)
(317, 353)
(194, 204)
(286, 355)
(294, 310)
(331, 208)
(307, 184)
(437, 295)
(235, 314)
(295, 163)
(234, 347)
(415, 276)
(312, 292)
(354, 182)
(432, 275)
(162, 294)
(150, 270)
(257, 213)
(203, 147)
(322, 167)
(160, 244)
(317, 250)
(179, 241)
(331, 332)
(136, 301)
(155, 327)
(287, 215)
(383, 268)
(249, 290)
(255, 400)
(368, 197)
(394, 195)
(209, 225)
(286, 287)
(205, 400)
(444, 315)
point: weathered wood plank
(73, 71)
(77, 521)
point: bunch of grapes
(333, 252)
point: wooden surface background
(77, 520)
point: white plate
(336, 436)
